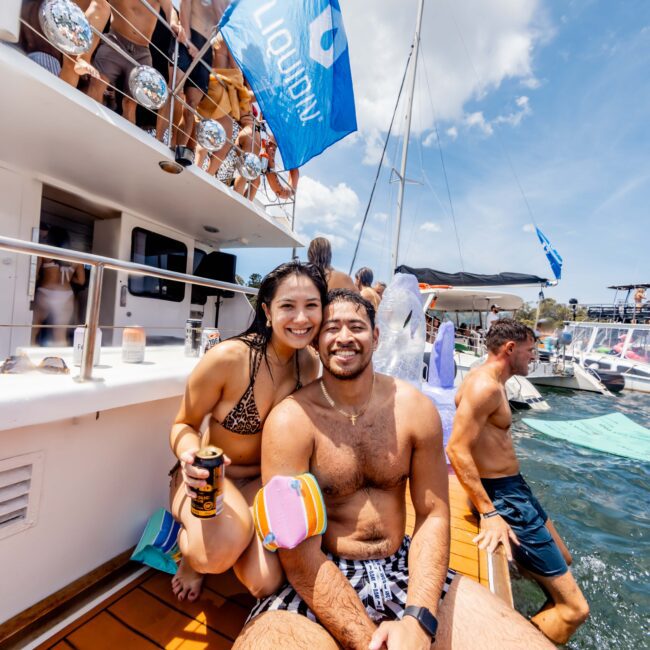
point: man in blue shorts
(482, 454)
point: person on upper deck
(228, 99)
(237, 383)
(363, 280)
(320, 254)
(132, 26)
(198, 19)
(98, 13)
(33, 42)
(482, 454)
(363, 584)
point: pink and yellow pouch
(288, 510)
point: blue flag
(553, 256)
(294, 54)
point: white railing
(98, 264)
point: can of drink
(208, 501)
(210, 336)
(192, 337)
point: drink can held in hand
(192, 337)
(209, 338)
(208, 501)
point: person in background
(482, 453)
(33, 42)
(54, 301)
(492, 317)
(281, 189)
(132, 26)
(363, 281)
(380, 287)
(197, 18)
(320, 254)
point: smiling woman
(236, 384)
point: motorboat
(611, 349)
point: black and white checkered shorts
(380, 584)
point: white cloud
(329, 211)
(478, 120)
(452, 132)
(528, 227)
(430, 139)
(381, 217)
(467, 49)
(430, 226)
(515, 117)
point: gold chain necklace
(353, 417)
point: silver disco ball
(65, 26)
(210, 135)
(249, 166)
(148, 87)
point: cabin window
(162, 252)
(610, 340)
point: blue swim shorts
(515, 502)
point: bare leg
(97, 12)
(284, 630)
(128, 109)
(569, 609)
(471, 617)
(193, 97)
(96, 89)
(208, 545)
(257, 569)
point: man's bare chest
(349, 458)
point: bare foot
(187, 582)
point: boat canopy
(462, 279)
(629, 287)
(465, 300)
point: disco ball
(148, 87)
(249, 166)
(65, 26)
(210, 135)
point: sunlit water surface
(601, 505)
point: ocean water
(600, 503)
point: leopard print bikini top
(244, 418)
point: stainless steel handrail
(99, 264)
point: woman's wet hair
(505, 330)
(258, 335)
(346, 295)
(320, 253)
(365, 276)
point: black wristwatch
(425, 618)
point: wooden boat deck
(144, 614)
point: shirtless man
(482, 454)
(364, 436)
(132, 26)
(320, 254)
(363, 279)
(198, 18)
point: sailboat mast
(407, 133)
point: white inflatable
(402, 329)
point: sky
(525, 112)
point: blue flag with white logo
(553, 256)
(294, 54)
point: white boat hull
(569, 376)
